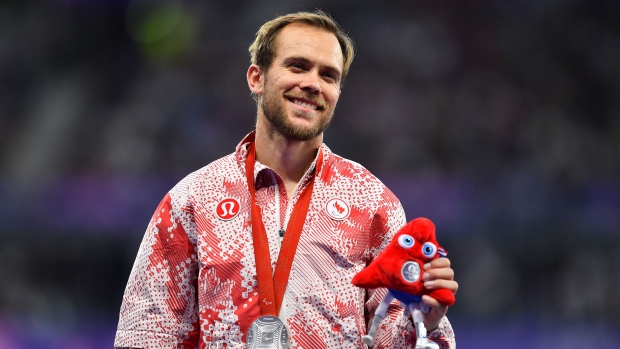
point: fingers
(438, 263)
(438, 274)
(437, 311)
(433, 303)
(451, 285)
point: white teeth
(304, 104)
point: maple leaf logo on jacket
(337, 209)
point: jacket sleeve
(396, 330)
(159, 308)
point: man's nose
(311, 82)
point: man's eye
(331, 78)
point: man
(260, 246)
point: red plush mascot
(399, 269)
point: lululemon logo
(337, 209)
(227, 209)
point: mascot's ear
(421, 228)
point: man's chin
(301, 136)
(299, 133)
(296, 123)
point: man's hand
(438, 274)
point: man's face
(302, 85)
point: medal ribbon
(271, 288)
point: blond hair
(262, 50)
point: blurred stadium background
(498, 119)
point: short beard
(276, 115)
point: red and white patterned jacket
(193, 283)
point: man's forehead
(303, 36)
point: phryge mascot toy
(399, 269)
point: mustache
(307, 96)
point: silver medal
(267, 332)
(410, 271)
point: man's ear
(255, 79)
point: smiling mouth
(302, 102)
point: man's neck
(288, 158)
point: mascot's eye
(405, 241)
(429, 249)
